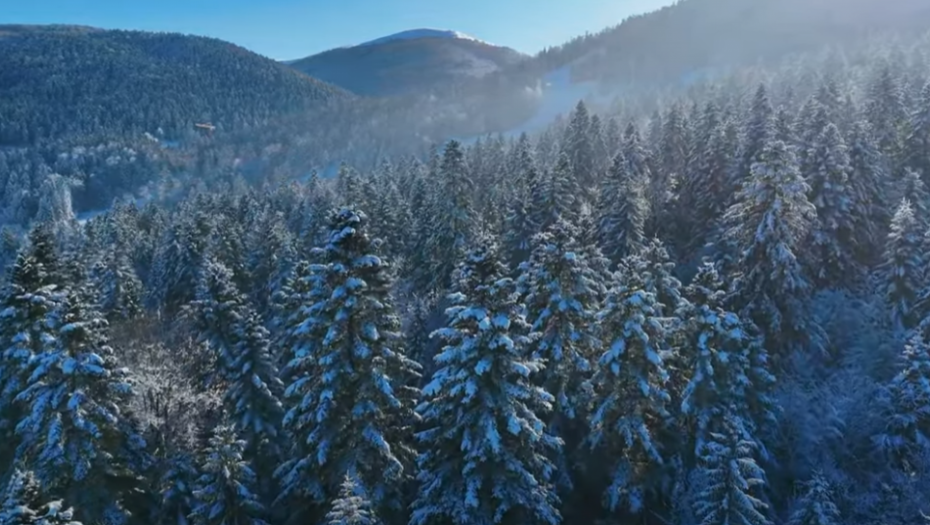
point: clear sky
(287, 29)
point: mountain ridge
(415, 34)
(409, 62)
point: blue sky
(286, 29)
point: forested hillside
(407, 66)
(113, 112)
(704, 306)
(62, 82)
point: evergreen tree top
(350, 507)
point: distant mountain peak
(416, 34)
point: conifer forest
(706, 304)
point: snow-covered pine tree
(785, 129)
(768, 222)
(622, 212)
(578, 147)
(815, 506)
(76, 434)
(484, 449)
(658, 273)
(707, 189)
(349, 186)
(228, 247)
(917, 142)
(244, 366)
(21, 503)
(906, 437)
(562, 294)
(613, 137)
(176, 488)
(177, 260)
(119, 287)
(597, 262)
(902, 268)
(913, 189)
(629, 388)
(271, 255)
(525, 211)
(834, 234)
(672, 156)
(868, 181)
(728, 480)
(560, 195)
(29, 308)
(561, 302)
(716, 354)
(811, 124)
(350, 508)
(758, 133)
(886, 112)
(350, 403)
(225, 491)
(637, 156)
(603, 152)
(453, 215)
(287, 317)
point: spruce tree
(271, 254)
(630, 389)
(716, 349)
(29, 308)
(118, 285)
(812, 123)
(768, 222)
(176, 488)
(728, 480)
(816, 506)
(350, 406)
(902, 268)
(76, 433)
(21, 505)
(177, 260)
(637, 157)
(621, 212)
(561, 304)
(886, 112)
(834, 234)
(350, 508)
(559, 195)
(672, 156)
(706, 191)
(484, 449)
(225, 491)
(917, 141)
(758, 133)
(578, 147)
(453, 215)
(525, 212)
(658, 273)
(906, 437)
(244, 364)
(869, 187)
(913, 189)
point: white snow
(416, 34)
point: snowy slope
(416, 34)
